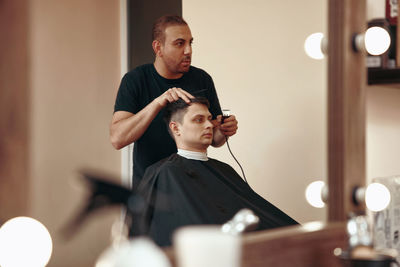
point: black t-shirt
(141, 86)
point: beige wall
(75, 71)
(254, 51)
(383, 131)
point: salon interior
(318, 113)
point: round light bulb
(377, 41)
(314, 194)
(24, 242)
(377, 197)
(313, 45)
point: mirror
(254, 52)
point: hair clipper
(226, 113)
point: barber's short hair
(162, 23)
(174, 111)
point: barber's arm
(224, 130)
(127, 127)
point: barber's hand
(230, 125)
(172, 95)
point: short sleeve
(128, 95)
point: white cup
(206, 246)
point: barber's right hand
(172, 95)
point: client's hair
(174, 111)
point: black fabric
(141, 86)
(181, 192)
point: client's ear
(173, 125)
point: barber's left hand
(230, 125)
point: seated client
(189, 188)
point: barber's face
(176, 51)
(196, 130)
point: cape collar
(192, 155)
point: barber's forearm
(129, 129)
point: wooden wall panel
(346, 107)
(14, 109)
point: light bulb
(314, 194)
(314, 45)
(24, 242)
(377, 197)
(377, 41)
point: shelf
(383, 76)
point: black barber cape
(182, 191)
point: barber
(145, 91)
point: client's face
(196, 130)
